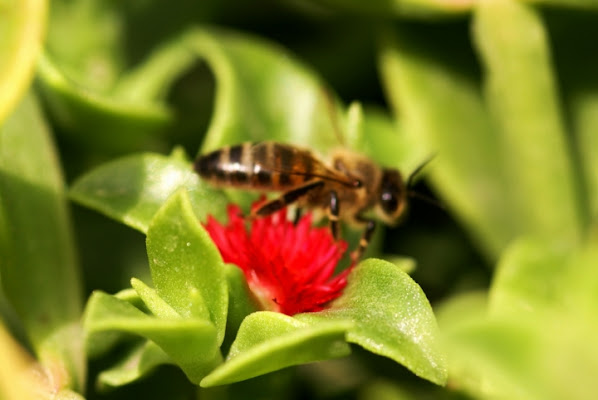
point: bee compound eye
(389, 202)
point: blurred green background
(503, 94)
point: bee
(346, 188)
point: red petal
(293, 264)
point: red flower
(288, 267)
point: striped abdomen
(261, 166)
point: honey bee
(348, 187)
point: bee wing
(288, 159)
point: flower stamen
(289, 266)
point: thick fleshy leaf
(537, 276)
(138, 363)
(253, 76)
(39, 271)
(572, 51)
(585, 114)
(462, 308)
(269, 341)
(130, 295)
(241, 302)
(186, 267)
(493, 355)
(405, 264)
(529, 278)
(23, 379)
(531, 356)
(523, 98)
(22, 26)
(580, 280)
(133, 188)
(95, 86)
(581, 4)
(101, 343)
(248, 106)
(191, 343)
(425, 9)
(14, 384)
(385, 390)
(107, 122)
(392, 317)
(451, 124)
(155, 304)
(538, 336)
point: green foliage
(537, 335)
(391, 317)
(268, 341)
(39, 271)
(186, 267)
(502, 94)
(190, 342)
(133, 188)
(22, 25)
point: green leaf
(425, 9)
(489, 358)
(434, 91)
(405, 264)
(40, 275)
(269, 341)
(580, 281)
(241, 302)
(133, 188)
(529, 278)
(138, 363)
(538, 337)
(253, 77)
(101, 343)
(537, 276)
(13, 370)
(391, 317)
(186, 267)
(155, 304)
(574, 59)
(102, 87)
(67, 394)
(581, 4)
(384, 390)
(22, 27)
(191, 343)
(522, 95)
(106, 122)
(585, 115)
(461, 308)
(130, 295)
(547, 357)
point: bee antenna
(427, 199)
(416, 195)
(417, 170)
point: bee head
(392, 197)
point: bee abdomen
(225, 165)
(263, 166)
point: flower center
(289, 267)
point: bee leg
(365, 239)
(287, 198)
(333, 213)
(298, 213)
